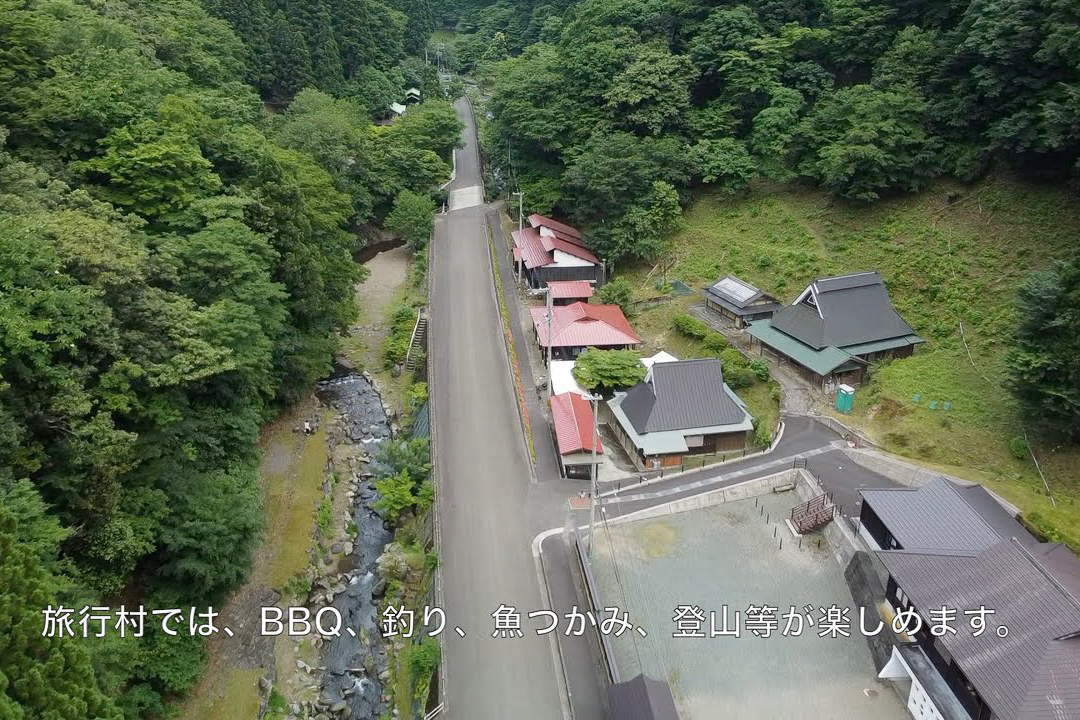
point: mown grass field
(953, 254)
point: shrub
(395, 495)
(761, 369)
(1019, 447)
(739, 378)
(732, 360)
(716, 343)
(297, 587)
(424, 657)
(393, 564)
(762, 435)
(690, 326)
(617, 292)
(425, 496)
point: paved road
(482, 471)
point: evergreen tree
(1044, 363)
(41, 678)
(326, 65)
(289, 70)
(251, 21)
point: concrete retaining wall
(742, 491)
(843, 430)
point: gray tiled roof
(854, 309)
(1034, 672)
(641, 699)
(679, 396)
(944, 516)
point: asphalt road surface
(482, 471)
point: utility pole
(521, 225)
(595, 398)
(550, 312)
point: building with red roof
(564, 292)
(552, 251)
(579, 325)
(548, 226)
(572, 421)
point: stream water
(357, 666)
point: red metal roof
(563, 289)
(553, 243)
(537, 220)
(570, 248)
(573, 420)
(531, 247)
(582, 325)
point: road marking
(553, 641)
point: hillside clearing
(954, 254)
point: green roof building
(835, 329)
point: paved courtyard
(728, 555)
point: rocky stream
(355, 667)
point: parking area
(731, 555)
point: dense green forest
(614, 109)
(181, 190)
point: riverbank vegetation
(178, 219)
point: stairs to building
(419, 340)
(813, 514)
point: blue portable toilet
(845, 399)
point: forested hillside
(176, 263)
(613, 112)
(615, 108)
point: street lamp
(595, 400)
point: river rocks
(362, 421)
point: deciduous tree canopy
(175, 263)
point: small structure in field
(739, 302)
(564, 292)
(835, 329)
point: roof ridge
(963, 499)
(932, 552)
(1074, 601)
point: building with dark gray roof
(835, 329)
(944, 545)
(1025, 665)
(739, 302)
(937, 516)
(641, 699)
(681, 408)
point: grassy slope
(952, 254)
